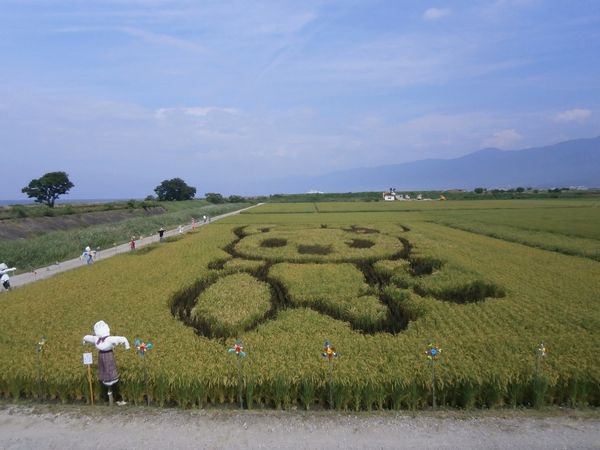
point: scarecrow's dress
(107, 367)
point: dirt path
(78, 427)
(46, 272)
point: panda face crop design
(359, 275)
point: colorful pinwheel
(433, 352)
(141, 347)
(329, 352)
(238, 349)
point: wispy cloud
(159, 39)
(435, 13)
(396, 60)
(503, 139)
(163, 39)
(287, 25)
(196, 111)
(573, 115)
(516, 3)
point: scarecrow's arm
(116, 340)
(89, 339)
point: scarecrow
(88, 255)
(4, 278)
(107, 368)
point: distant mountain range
(569, 163)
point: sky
(123, 94)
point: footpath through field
(47, 272)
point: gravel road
(100, 427)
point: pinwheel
(433, 352)
(141, 347)
(238, 349)
(329, 352)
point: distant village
(391, 195)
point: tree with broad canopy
(174, 189)
(47, 188)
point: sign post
(88, 360)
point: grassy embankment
(20, 211)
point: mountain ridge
(569, 163)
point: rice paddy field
(486, 281)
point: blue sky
(123, 94)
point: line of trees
(177, 189)
(50, 186)
(217, 198)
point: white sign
(87, 358)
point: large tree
(174, 189)
(47, 188)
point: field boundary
(516, 241)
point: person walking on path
(161, 233)
(132, 243)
